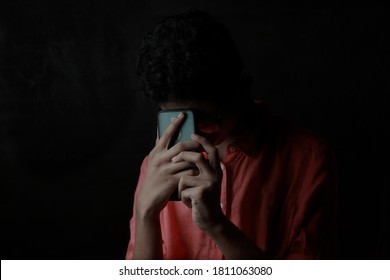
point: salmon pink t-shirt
(278, 188)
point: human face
(210, 121)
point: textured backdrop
(74, 128)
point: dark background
(74, 127)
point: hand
(201, 191)
(162, 174)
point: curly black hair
(189, 57)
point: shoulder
(278, 130)
(303, 138)
(287, 135)
(293, 145)
(280, 137)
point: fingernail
(174, 158)
(194, 136)
(180, 115)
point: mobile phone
(164, 119)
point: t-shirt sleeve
(130, 247)
(314, 227)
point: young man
(261, 188)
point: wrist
(218, 227)
(146, 212)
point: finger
(195, 158)
(192, 191)
(191, 172)
(166, 138)
(182, 166)
(183, 146)
(187, 182)
(212, 151)
(178, 148)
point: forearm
(148, 244)
(233, 243)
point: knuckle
(179, 156)
(158, 160)
(198, 157)
(164, 169)
(195, 144)
(180, 146)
